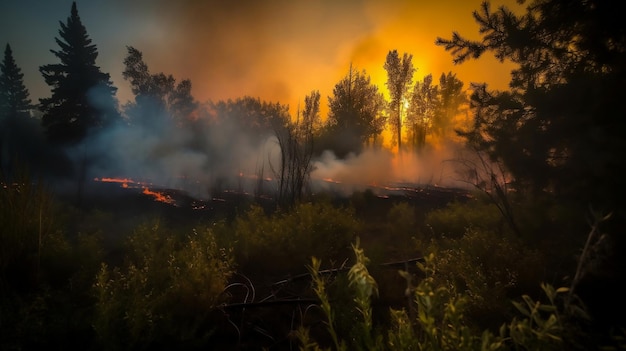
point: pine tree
(14, 101)
(83, 97)
(14, 104)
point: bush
(165, 291)
(453, 220)
(439, 322)
(489, 269)
(285, 240)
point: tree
(560, 128)
(422, 110)
(295, 141)
(311, 120)
(399, 79)
(355, 109)
(157, 96)
(14, 106)
(564, 113)
(451, 99)
(83, 97)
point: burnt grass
(264, 308)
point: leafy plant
(290, 238)
(439, 321)
(165, 291)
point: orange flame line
(158, 196)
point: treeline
(83, 107)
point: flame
(123, 181)
(158, 196)
(129, 183)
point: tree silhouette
(311, 121)
(422, 109)
(451, 99)
(399, 79)
(564, 114)
(157, 96)
(355, 108)
(83, 97)
(560, 129)
(14, 106)
(295, 140)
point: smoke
(382, 168)
(200, 156)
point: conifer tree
(14, 103)
(14, 99)
(83, 97)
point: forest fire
(158, 196)
(129, 183)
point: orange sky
(278, 50)
(281, 50)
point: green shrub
(489, 269)
(439, 322)
(164, 292)
(285, 240)
(453, 220)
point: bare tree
(295, 141)
(491, 178)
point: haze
(276, 50)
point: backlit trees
(399, 79)
(355, 109)
(157, 96)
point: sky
(277, 50)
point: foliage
(456, 218)
(421, 112)
(402, 220)
(354, 114)
(489, 269)
(83, 97)
(156, 95)
(451, 99)
(45, 271)
(399, 80)
(14, 101)
(440, 320)
(563, 114)
(432, 108)
(165, 290)
(364, 335)
(288, 239)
